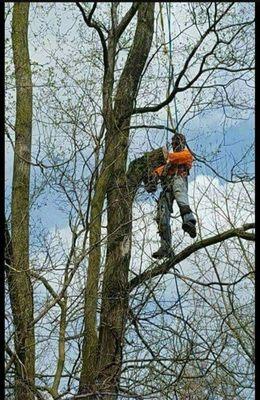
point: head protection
(178, 141)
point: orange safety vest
(181, 162)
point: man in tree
(173, 177)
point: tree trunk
(90, 342)
(105, 351)
(119, 200)
(20, 287)
(88, 374)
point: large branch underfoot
(169, 264)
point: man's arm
(165, 153)
(180, 157)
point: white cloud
(217, 206)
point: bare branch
(126, 19)
(176, 88)
(168, 265)
(93, 24)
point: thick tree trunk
(119, 201)
(102, 355)
(20, 287)
(90, 342)
(88, 374)
(115, 283)
(115, 293)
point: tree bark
(20, 287)
(99, 351)
(90, 341)
(119, 200)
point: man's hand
(165, 153)
(151, 185)
(166, 169)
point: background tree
(18, 269)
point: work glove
(151, 185)
(166, 170)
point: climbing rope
(170, 120)
(171, 67)
(169, 53)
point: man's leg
(164, 228)
(180, 189)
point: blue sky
(220, 140)
(235, 141)
(222, 143)
(231, 146)
(221, 146)
(204, 134)
(224, 149)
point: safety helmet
(178, 140)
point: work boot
(163, 251)
(190, 228)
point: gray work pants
(174, 187)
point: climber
(174, 183)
